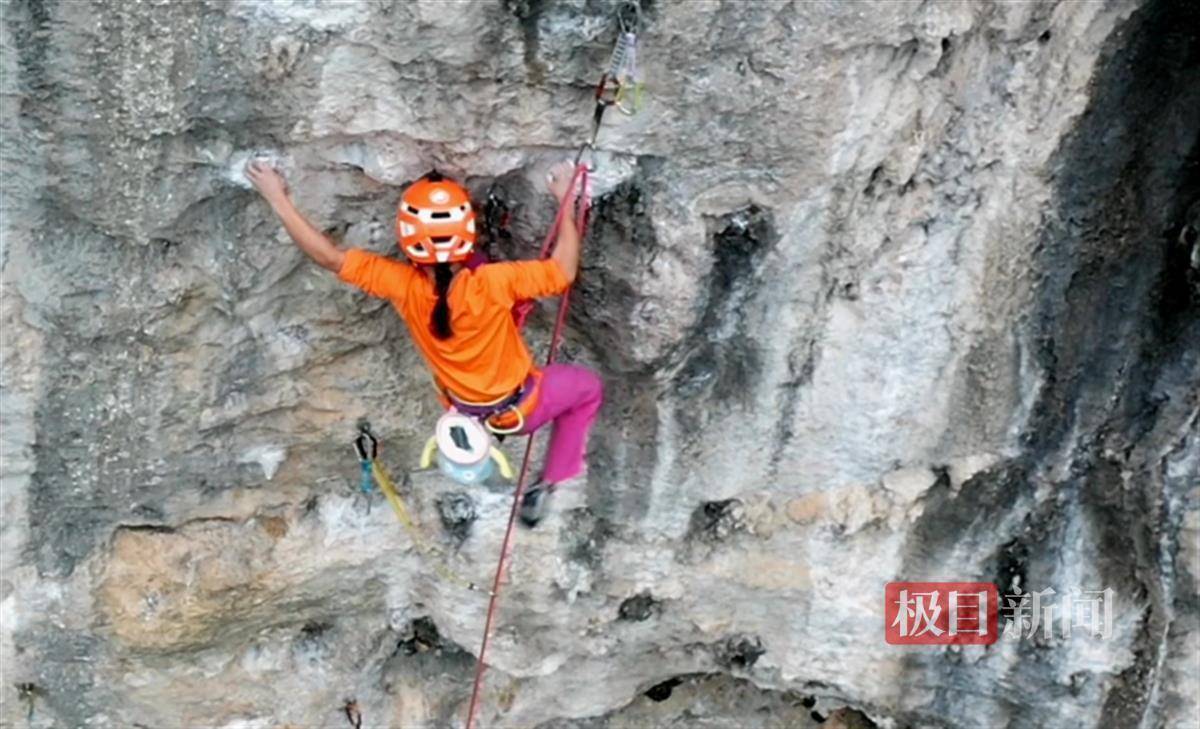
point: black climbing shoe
(533, 504)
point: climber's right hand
(559, 179)
(269, 183)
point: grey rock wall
(879, 290)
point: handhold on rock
(660, 692)
(639, 607)
(423, 636)
(740, 651)
(716, 521)
(458, 514)
(236, 172)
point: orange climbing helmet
(435, 222)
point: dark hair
(439, 321)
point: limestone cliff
(880, 291)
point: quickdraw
(367, 449)
(623, 68)
(621, 83)
(366, 446)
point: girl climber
(461, 318)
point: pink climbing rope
(583, 198)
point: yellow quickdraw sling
(366, 446)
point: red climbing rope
(522, 309)
(583, 199)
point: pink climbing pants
(570, 396)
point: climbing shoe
(533, 504)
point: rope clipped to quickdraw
(620, 86)
(581, 198)
(366, 446)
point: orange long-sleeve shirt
(486, 358)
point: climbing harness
(505, 415)
(465, 450)
(366, 446)
(620, 86)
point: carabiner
(628, 99)
(366, 446)
(487, 423)
(629, 22)
(622, 60)
(621, 84)
(585, 147)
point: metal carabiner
(487, 423)
(585, 147)
(621, 85)
(621, 62)
(366, 445)
(628, 98)
(629, 22)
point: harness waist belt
(507, 415)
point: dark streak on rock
(528, 14)
(1115, 334)
(726, 359)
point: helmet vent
(441, 238)
(441, 215)
(413, 210)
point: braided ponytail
(439, 321)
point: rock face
(880, 291)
